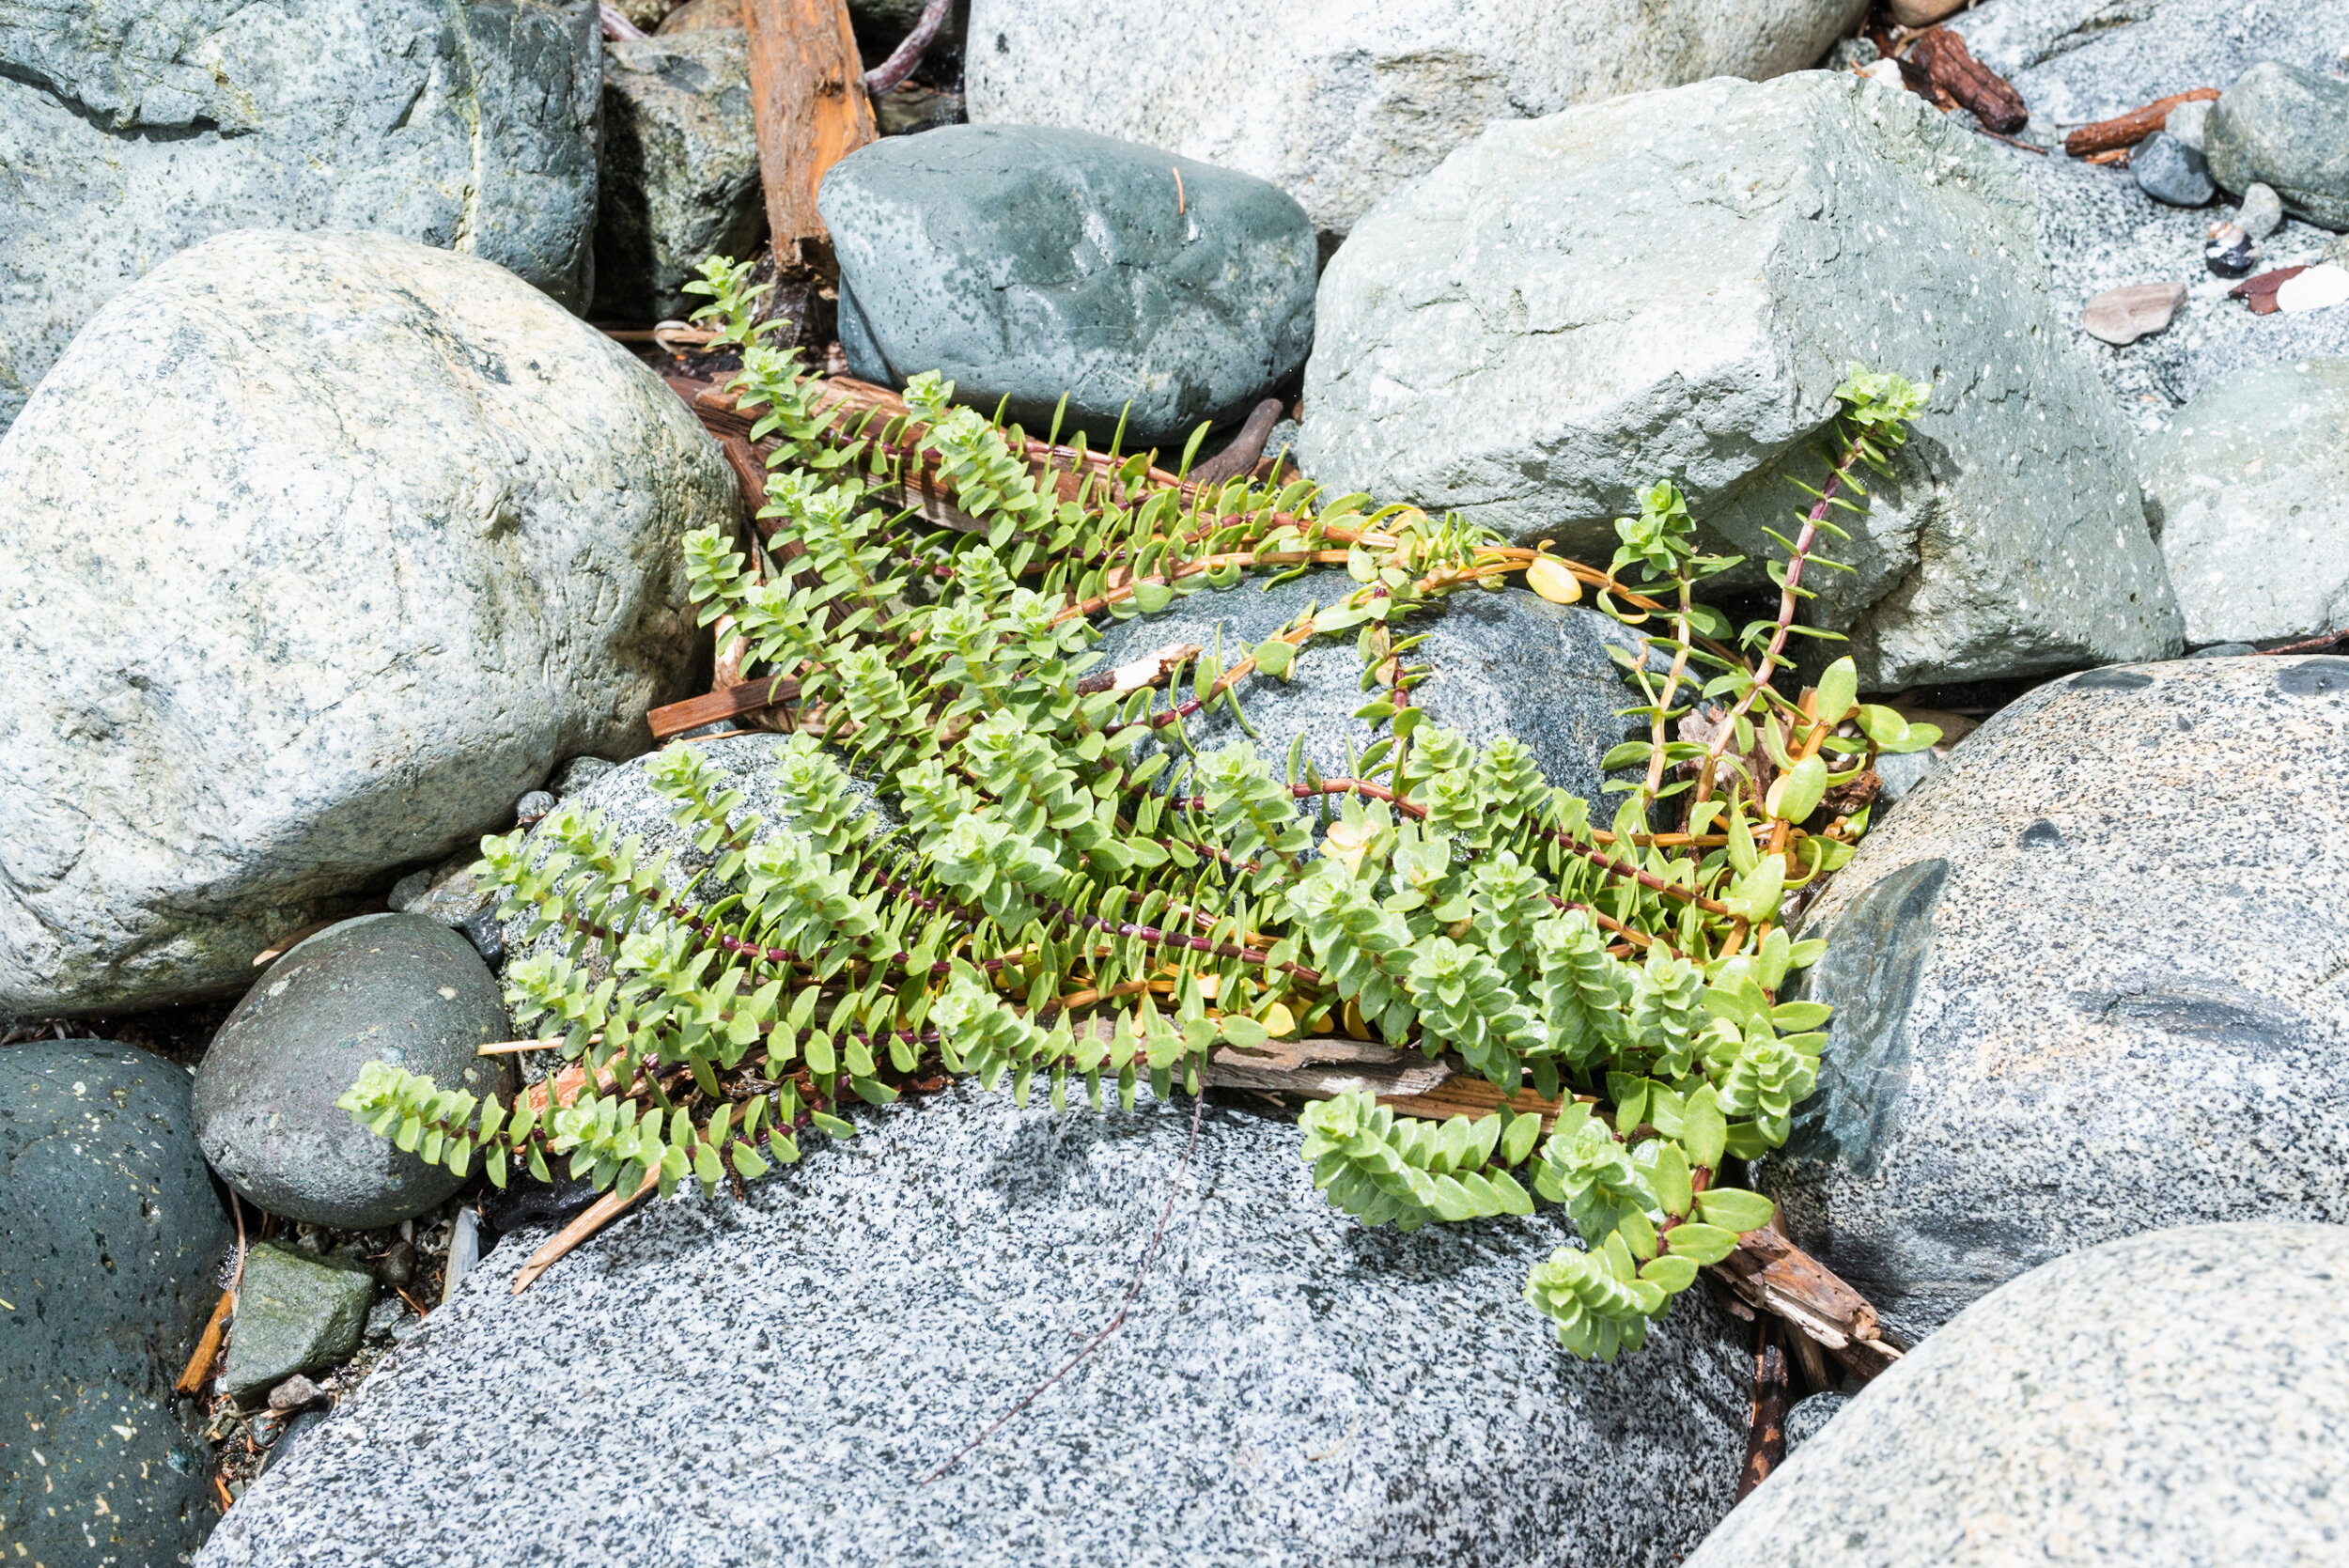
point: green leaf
(1699, 1244)
(1518, 1138)
(1676, 1270)
(1838, 689)
(1736, 1210)
(831, 1124)
(1798, 792)
(1244, 1031)
(1702, 1128)
(1275, 657)
(1670, 1178)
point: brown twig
(2312, 644)
(1965, 82)
(1173, 1190)
(607, 1208)
(885, 76)
(2126, 130)
(1766, 1438)
(200, 1365)
(1241, 455)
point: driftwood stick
(807, 106)
(200, 1365)
(1240, 457)
(1766, 1438)
(901, 64)
(2121, 130)
(1966, 81)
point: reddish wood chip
(2260, 292)
(1954, 69)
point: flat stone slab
(770, 1380)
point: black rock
(395, 988)
(111, 1237)
(525, 1201)
(1028, 263)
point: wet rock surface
(110, 1240)
(395, 988)
(2010, 1076)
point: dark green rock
(395, 988)
(293, 1314)
(1505, 663)
(2288, 127)
(678, 178)
(111, 1235)
(1026, 262)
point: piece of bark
(200, 1365)
(1972, 86)
(2126, 130)
(1765, 1434)
(1776, 1276)
(728, 702)
(807, 106)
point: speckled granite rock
(383, 535)
(2286, 128)
(1810, 1417)
(2172, 1398)
(2081, 60)
(109, 1239)
(1370, 93)
(1289, 1389)
(2086, 982)
(679, 169)
(1505, 663)
(133, 129)
(2248, 490)
(1028, 263)
(397, 988)
(1755, 240)
(294, 1314)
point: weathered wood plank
(808, 107)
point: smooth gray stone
(1368, 94)
(1025, 262)
(679, 169)
(2172, 1398)
(133, 129)
(2011, 1074)
(2170, 171)
(2074, 61)
(2287, 127)
(577, 774)
(2185, 125)
(1506, 663)
(1672, 286)
(2249, 489)
(395, 988)
(1288, 1387)
(111, 1238)
(316, 552)
(1904, 771)
(294, 1314)
(2262, 210)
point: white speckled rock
(1289, 1389)
(2249, 489)
(2088, 982)
(2079, 60)
(2174, 1398)
(1672, 285)
(316, 552)
(1367, 93)
(130, 130)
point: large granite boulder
(397, 988)
(679, 169)
(2086, 982)
(1672, 286)
(1507, 663)
(316, 553)
(2248, 494)
(1030, 263)
(131, 131)
(2286, 128)
(1338, 101)
(2074, 61)
(2171, 1398)
(1288, 1387)
(109, 1240)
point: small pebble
(577, 774)
(2319, 288)
(397, 1265)
(293, 1393)
(531, 807)
(488, 937)
(2170, 171)
(2230, 251)
(2119, 316)
(390, 1319)
(1884, 73)
(2188, 121)
(1854, 54)
(2262, 212)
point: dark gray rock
(257, 662)
(294, 1314)
(1469, 359)
(2172, 1398)
(2170, 171)
(2288, 127)
(110, 1236)
(2249, 489)
(1506, 663)
(2079, 60)
(395, 988)
(1810, 1417)
(132, 131)
(679, 171)
(1028, 263)
(1288, 1387)
(577, 774)
(2086, 984)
